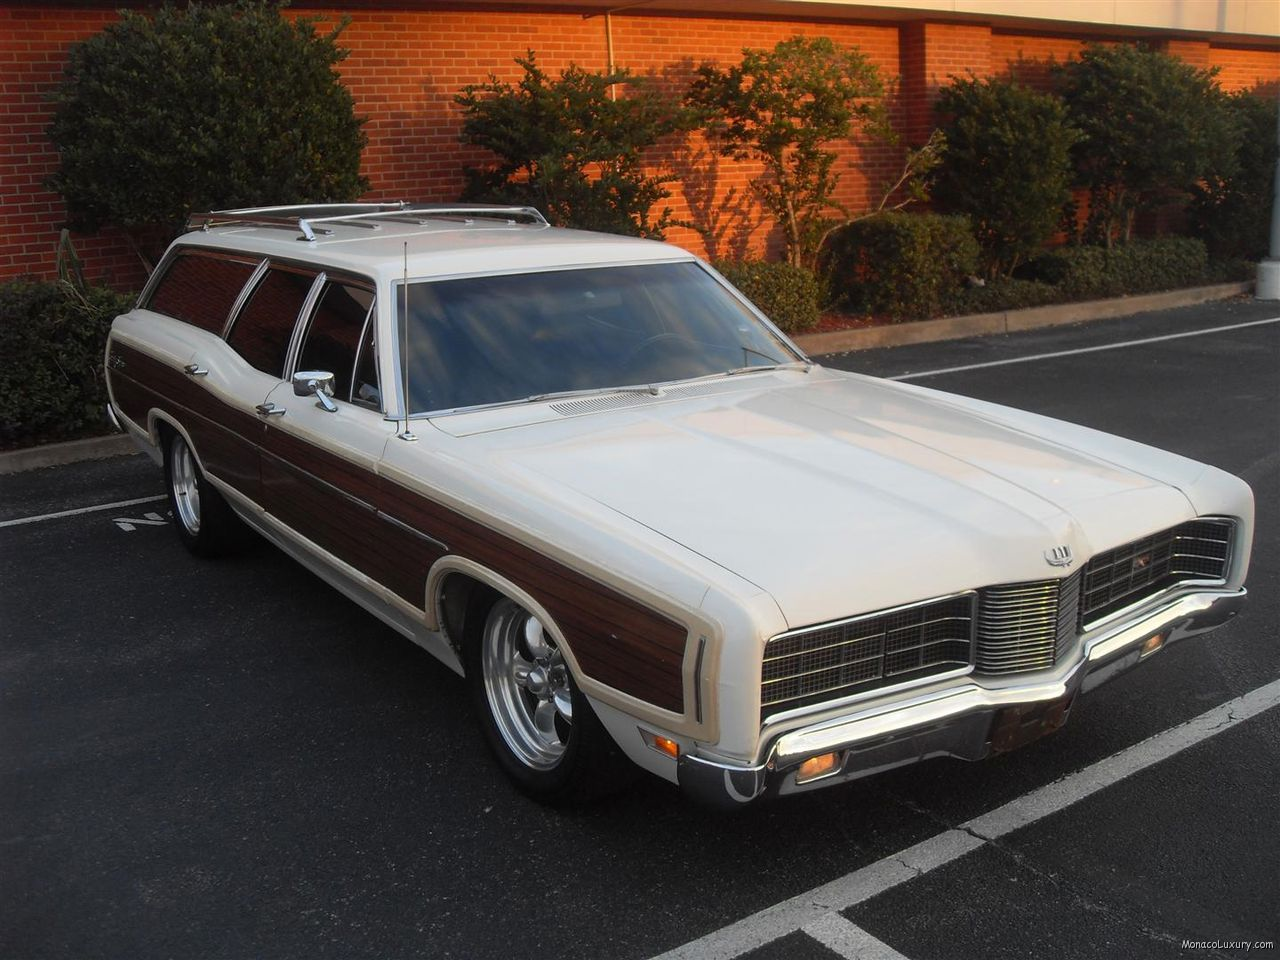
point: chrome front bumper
(959, 720)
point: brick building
(409, 58)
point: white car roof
(439, 248)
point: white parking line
(849, 940)
(71, 513)
(810, 910)
(1070, 353)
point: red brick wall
(33, 45)
(406, 66)
(405, 77)
(1244, 68)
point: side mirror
(316, 383)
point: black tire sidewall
(222, 533)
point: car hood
(840, 494)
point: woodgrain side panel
(226, 439)
(342, 507)
(616, 640)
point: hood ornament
(1059, 556)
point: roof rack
(311, 220)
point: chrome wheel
(186, 489)
(526, 683)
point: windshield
(498, 339)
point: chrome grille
(833, 660)
(1026, 626)
(1197, 550)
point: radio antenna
(405, 434)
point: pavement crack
(910, 866)
(1231, 718)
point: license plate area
(1016, 727)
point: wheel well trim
(682, 723)
(155, 418)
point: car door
(319, 461)
(240, 371)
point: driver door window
(339, 340)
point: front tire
(205, 523)
(537, 723)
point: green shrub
(1001, 294)
(785, 108)
(202, 108)
(567, 147)
(52, 337)
(1232, 213)
(1142, 266)
(902, 265)
(1007, 166)
(1231, 270)
(1154, 126)
(786, 294)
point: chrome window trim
(369, 319)
(157, 272)
(251, 287)
(302, 324)
(213, 253)
(245, 292)
(783, 716)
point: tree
(1231, 212)
(567, 147)
(1153, 127)
(784, 107)
(200, 108)
(1007, 165)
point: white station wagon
(588, 475)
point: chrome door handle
(195, 370)
(269, 410)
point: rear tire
(536, 721)
(206, 524)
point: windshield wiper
(649, 389)
(806, 365)
(653, 390)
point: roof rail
(308, 218)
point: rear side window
(264, 327)
(333, 338)
(200, 289)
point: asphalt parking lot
(228, 759)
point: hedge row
(1092, 273)
(912, 266)
(52, 337)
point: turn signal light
(1153, 644)
(664, 745)
(817, 767)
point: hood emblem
(1059, 556)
